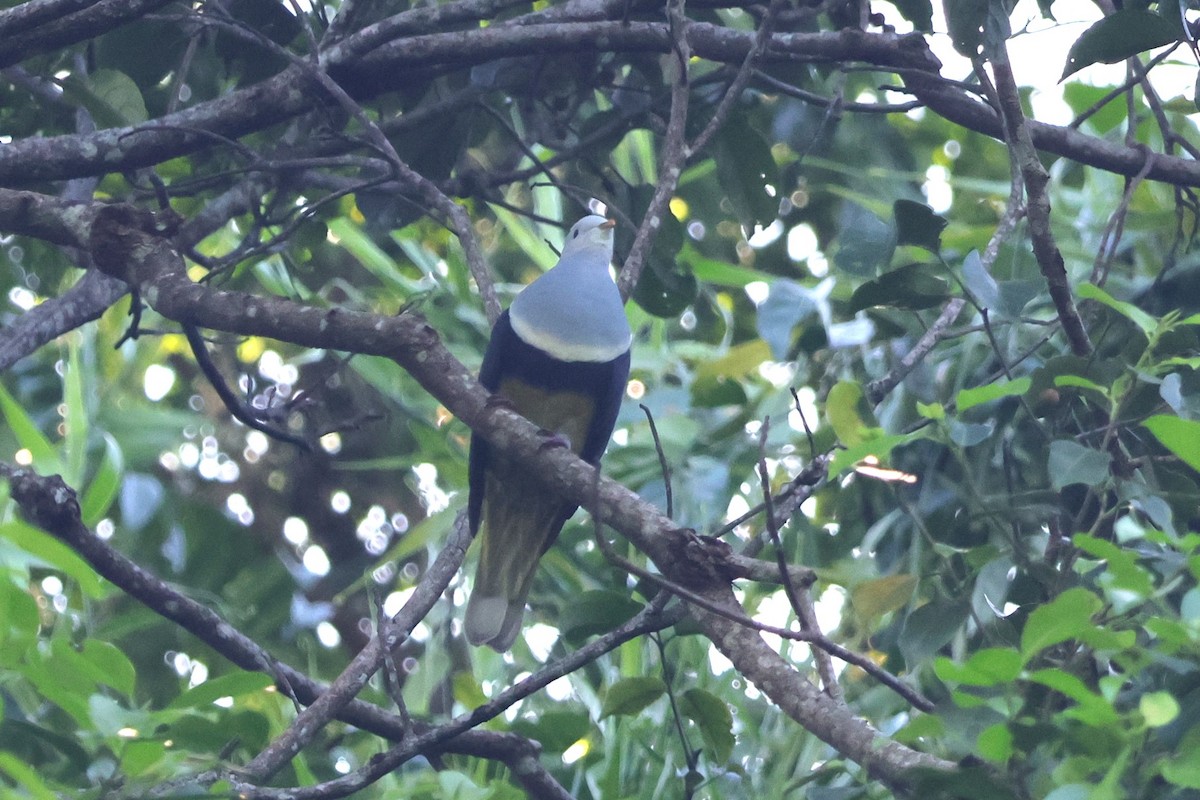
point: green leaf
(787, 305)
(1092, 708)
(911, 287)
(664, 289)
(874, 598)
(1071, 462)
(880, 447)
(45, 456)
(1090, 291)
(51, 552)
(18, 622)
(965, 20)
(996, 743)
(1183, 768)
(969, 398)
(918, 12)
(112, 667)
(979, 282)
(1117, 37)
(741, 361)
(629, 696)
(712, 716)
(76, 418)
(112, 97)
(916, 224)
(864, 241)
(747, 172)
(1068, 616)
(930, 628)
(1081, 97)
(25, 776)
(987, 667)
(1123, 571)
(234, 684)
(845, 412)
(593, 612)
(1158, 708)
(934, 411)
(1180, 436)
(555, 730)
(720, 273)
(105, 485)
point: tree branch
(52, 505)
(123, 242)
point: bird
(559, 356)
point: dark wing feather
(491, 372)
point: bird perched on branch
(560, 357)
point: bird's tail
(515, 533)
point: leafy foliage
(1009, 528)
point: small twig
(812, 98)
(662, 459)
(673, 157)
(769, 521)
(798, 597)
(812, 444)
(1035, 177)
(740, 81)
(240, 411)
(391, 673)
(651, 618)
(1111, 236)
(882, 387)
(690, 756)
(811, 637)
(789, 498)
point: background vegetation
(936, 358)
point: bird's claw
(552, 440)
(499, 401)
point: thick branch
(56, 33)
(396, 63)
(123, 244)
(52, 505)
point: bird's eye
(575, 234)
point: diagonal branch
(123, 242)
(52, 505)
(1034, 174)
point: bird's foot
(499, 401)
(552, 440)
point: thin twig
(811, 637)
(1110, 238)
(455, 216)
(240, 411)
(354, 677)
(740, 81)
(1035, 177)
(652, 618)
(662, 459)
(797, 596)
(672, 159)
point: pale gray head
(592, 233)
(574, 312)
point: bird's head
(593, 232)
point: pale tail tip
(484, 619)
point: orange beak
(608, 224)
